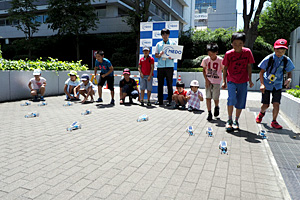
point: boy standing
(146, 67)
(273, 68)
(212, 72)
(237, 72)
(106, 75)
(128, 87)
(37, 85)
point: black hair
(180, 84)
(165, 30)
(212, 47)
(100, 52)
(238, 36)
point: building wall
(294, 52)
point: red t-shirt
(182, 93)
(145, 64)
(237, 65)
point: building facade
(215, 14)
(111, 13)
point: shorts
(130, 91)
(237, 94)
(145, 84)
(110, 82)
(276, 96)
(213, 92)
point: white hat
(194, 83)
(37, 72)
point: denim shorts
(237, 94)
(145, 84)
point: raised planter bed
(290, 106)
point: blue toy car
(31, 115)
(69, 103)
(143, 118)
(87, 112)
(209, 131)
(262, 133)
(223, 147)
(190, 130)
(74, 126)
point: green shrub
(50, 64)
(295, 91)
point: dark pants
(163, 73)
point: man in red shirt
(146, 67)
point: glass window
(2, 22)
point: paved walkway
(115, 157)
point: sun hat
(194, 83)
(146, 48)
(37, 72)
(73, 73)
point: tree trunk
(252, 34)
(77, 47)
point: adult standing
(165, 68)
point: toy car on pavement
(74, 126)
(262, 133)
(190, 130)
(223, 147)
(143, 118)
(209, 131)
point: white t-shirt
(72, 83)
(37, 84)
(213, 69)
(88, 85)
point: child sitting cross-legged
(179, 96)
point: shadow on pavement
(290, 133)
(218, 122)
(250, 137)
(105, 105)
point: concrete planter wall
(290, 106)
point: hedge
(50, 64)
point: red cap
(126, 71)
(281, 43)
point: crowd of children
(234, 70)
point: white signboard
(173, 51)
(201, 16)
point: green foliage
(295, 91)
(50, 64)
(279, 20)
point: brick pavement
(115, 157)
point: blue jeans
(237, 94)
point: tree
(139, 14)
(279, 20)
(24, 12)
(251, 25)
(74, 17)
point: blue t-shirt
(104, 66)
(277, 71)
(161, 63)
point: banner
(150, 36)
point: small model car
(190, 130)
(69, 103)
(31, 115)
(74, 126)
(25, 104)
(209, 131)
(143, 118)
(262, 133)
(42, 104)
(223, 147)
(87, 112)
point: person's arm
(151, 72)
(111, 69)
(200, 96)
(95, 71)
(224, 84)
(76, 90)
(66, 91)
(207, 82)
(288, 80)
(261, 78)
(29, 85)
(141, 74)
(249, 69)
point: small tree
(24, 12)
(279, 20)
(139, 14)
(74, 17)
(251, 25)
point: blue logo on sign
(146, 43)
(146, 26)
(172, 26)
(169, 50)
(157, 34)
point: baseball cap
(281, 43)
(126, 71)
(85, 77)
(146, 48)
(37, 72)
(73, 73)
(194, 83)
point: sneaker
(149, 103)
(142, 103)
(229, 125)
(100, 100)
(190, 108)
(176, 106)
(157, 103)
(112, 102)
(217, 111)
(259, 117)
(235, 125)
(169, 103)
(182, 107)
(275, 124)
(209, 117)
(42, 98)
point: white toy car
(223, 147)
(143, 118)
(74, 126)
(190, 130)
